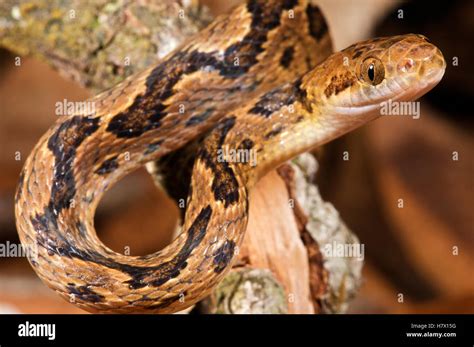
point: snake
(262, 78)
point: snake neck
(278, 126)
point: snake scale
(261, 78)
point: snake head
(359, 79)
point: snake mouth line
(367, 106)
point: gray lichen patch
(248, 291)
(98, 43)
(339, 246)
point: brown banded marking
(140, 276)
(265, 17)
(148, 110)
(63, 144)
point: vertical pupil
(371, 72)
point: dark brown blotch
(198, 119)
(165, 302)
(357, 53)
(223, 256)
(19, 189)
(339, 83)
(216, 139)
(265, 17)
(273, 132)
(246, 144)
(225, 185)
(280, 97)
(195, 234)
(317, 24)
(84, 293)
(108, 166)
(287, 57)
(274, 100)
(43, 224)
(153, 147)
(140, 276)
(63, 144)
(147, 111)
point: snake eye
(372, 71)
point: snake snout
(424, 60)
(434, 66)
(418, 66)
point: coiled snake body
(259, 79)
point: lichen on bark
(328, 229)
(247, 291)
(98, 43)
